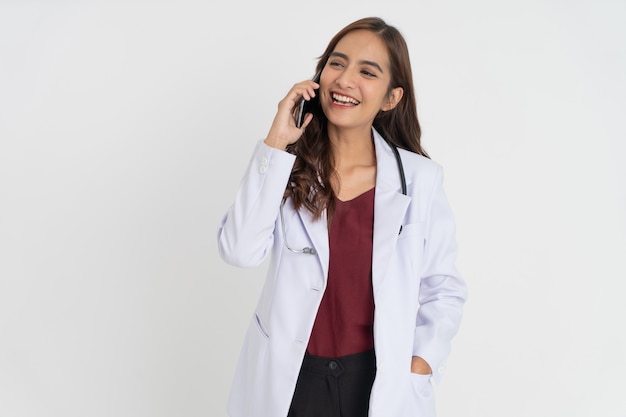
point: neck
(353, 147)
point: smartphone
(308, 106)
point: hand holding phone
(308, 106)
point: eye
(335, 64)
(368, 73)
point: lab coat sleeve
(246, 232)
(442, 290)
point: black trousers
(334, 387)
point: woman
(362, 297)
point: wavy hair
(309, 183)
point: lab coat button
(262, 169)
(264, 161)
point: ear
(393, 99)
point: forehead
(364, 45)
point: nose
(346, 79)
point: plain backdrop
(125, 128)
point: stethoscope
(310, 251)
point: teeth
(344, 99)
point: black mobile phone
(308, 106)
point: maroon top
(345, 319)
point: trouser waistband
(336, 366)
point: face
(354, 85)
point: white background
(125, 128)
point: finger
(312, 87)
(308, 93)
(307, 120)
(307, 89)
(301, 90)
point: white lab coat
(418, 292)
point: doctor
(362, 297)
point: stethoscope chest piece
(307, 250)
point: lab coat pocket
(261, 327)
(412, 230)
(421, 384)
(410, 245)
(252, 370)
(423, 395)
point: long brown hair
(309, 183)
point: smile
(344, 100)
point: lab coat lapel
(390, 206)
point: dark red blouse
(345, 319)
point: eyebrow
(366, 62)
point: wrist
(276, 143)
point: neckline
(356, 197)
